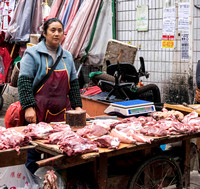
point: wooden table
(104, 154)
(93, 107)
(10, 157)
(182, 108)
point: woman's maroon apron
(52, 98)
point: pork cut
(195, 122)
(60, 127)
(96, 129)
(139, 137)
(189, 116)
(167, 114)
(38, 131)
(107, 141)
(72, 144)
(122, 136)
(50, 180)
(77, 145)
(56, 137)
(12, 139)
(153, 131)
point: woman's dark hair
(46, 26)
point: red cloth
(54, 10)
(92, 90)
(6, 61)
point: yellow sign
(167, 44)
(168, 41)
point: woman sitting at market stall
(47, 101)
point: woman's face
(54, 34)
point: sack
(14, 115)
(197, 95)
(17, 177)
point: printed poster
(184, 46)
(169, 24)
(168, 41)
(183, 16)
(142, 18)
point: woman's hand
(79, 109)
(30, 115)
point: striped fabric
(25, 91)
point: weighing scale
(131, 108)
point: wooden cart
(101, 160)
(10, 157)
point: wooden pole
(13, 49)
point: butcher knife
(185, 104)
(101, 117)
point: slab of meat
(96, 129)
(195, 122)
(92, 131)
(60, 127)
(122, 126)
(143, 120)
(84, 131)
(139, 137)
(77, 145)
(107, 141)
(153, 131)
(122, 136)
(180, 128)
(55, 138)
(13, 139)
(38, 131)
(71, 143)
(189, 116)
(167, 114)
(50, 180)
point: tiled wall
(174, 77)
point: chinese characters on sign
(183, 16)
(183, 26)
(168, 41)
(184, 46)
(168, 31)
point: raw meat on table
(38, 131)
(60, 127)
(71, 143)
(189, 117)
(13, 139)
(122, 136)
(107, 141)
(96, 129)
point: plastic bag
(14, 115)
(17, 177)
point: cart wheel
(1, 102)
(157, 173)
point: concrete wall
(174, 77)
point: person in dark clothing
(59, 93)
